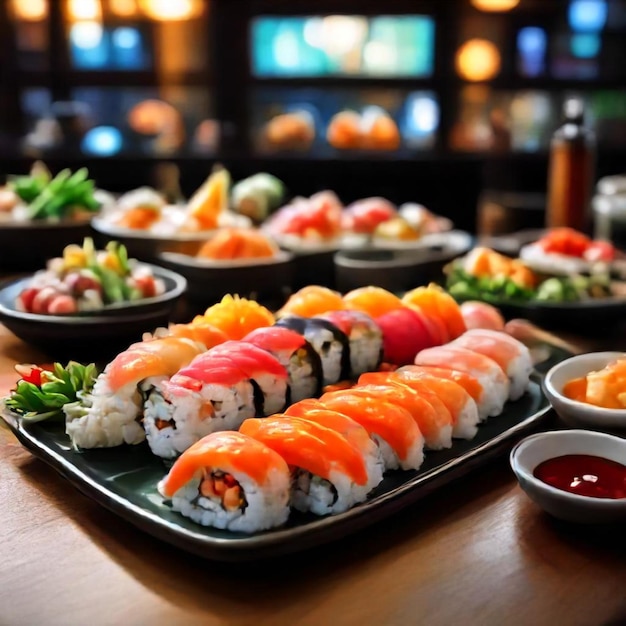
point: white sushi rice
(326, 497)
(274, 389)
(303, 380)
(366, 345)
(266, 505)
(105, 419)
(412, 461)
(330, 351)
(441, 440)
(466, 426)
(173, 423)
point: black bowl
(27, 246)
(265, 280)
(401, 269)
(93, 335)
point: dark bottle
(571, 171)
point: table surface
(476, 552)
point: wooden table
(478, 552)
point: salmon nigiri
(400, 440)
(229, 480)
(490, 375)
(457, 400)
(509, 353)
(329, 474)
(435, 426)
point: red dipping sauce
(584, 475)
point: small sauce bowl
(534, 450)
(573, 412)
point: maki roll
(211, 394)
(231, 481)
(296, 354)
(364, 336)
(267, 375)
(111, 414)
(312, 411)
(329, 474)
(330, 343)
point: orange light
(30, 10)
(477, 60)
(84, 10)
(495, 5)
(123, 8)
(164, 10)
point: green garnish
(56, 197)
(41, 394)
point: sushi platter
(247, 434)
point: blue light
(126, 37)
(585, 45)
(102, 141)
(531, 46)
(588, 15)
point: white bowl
(533, 450)
(582, 414)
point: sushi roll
(211, 394)
(267, 375)
(494, 381)
(329, 474)
(509, 353)
(365, 338)
(397, 434)
(435, 421)
(231, 481)
(327, 340)
(296, 354)
(462, 407)
(111, 414)
(312, 411)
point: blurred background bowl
(398, 269)
(144, 245)
(92, 335)
(266, 280)
(27, 246)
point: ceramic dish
(399, 270)
(105, 331)
(529, 453)
(124, 480)
(582, 414)
(208, 281)
(146, 245)
(27, 246)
